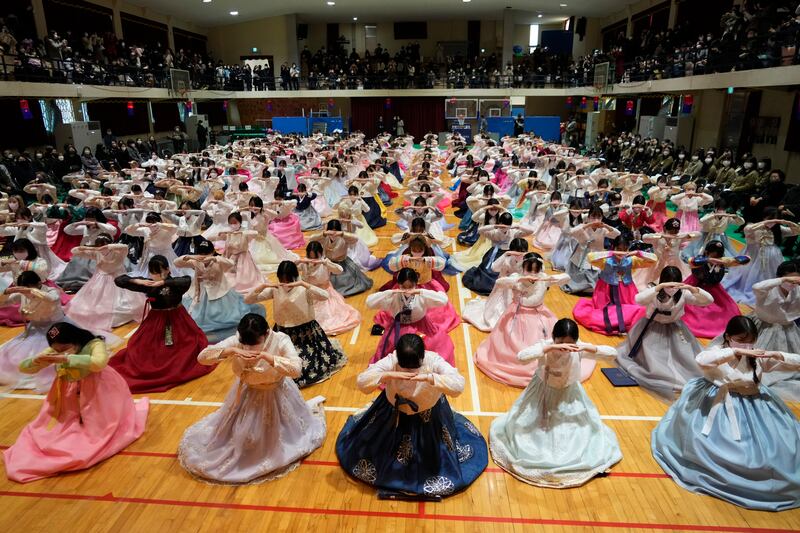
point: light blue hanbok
(731, 437)
(553, 436)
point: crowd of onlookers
(758, 34)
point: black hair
(410, 351)
(95, 214)
(488, 190)
(242, 186)
(251, 328)
(152, 217)
(66, 333)
(205, 247)
(24, 244)
(127, 201)
(672, 224)
(786, 268)
(418, 225)
(407, 274)
(506, 219)
(287, 272)
(518, 244)
(770, 213)
(157, 264)
(103, 239)
(595, 212)
(715, 247)
(638, 199)
(237, 216)
(29, 278)
(565, 327)
(670, 274)
(334, 225)
(315, 248)
(255, 201)
(622, 240)
(352, 190)
(743, 325)
(530, 259)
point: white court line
(473, 379)
(356, 331)
(195, 403)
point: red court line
(309, 462)
(420, 514)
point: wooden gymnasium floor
(145, 489)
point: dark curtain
(420, 114)
(165, 116)
(115, 115)
(215, 110)
(143, 32)
(77, 17)
(190, 42)
(20, 133)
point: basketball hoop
(461, 119)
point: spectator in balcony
(202, 135)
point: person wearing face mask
(688, 203)
(659, 353)
(72, 159)
(725, 173)
(590, 236)
(40, 306)
(695, 164)
(770, 194)
(524, 322)
(237, 242)
(251, 439)
(88, 416)
(293, 309)
(406, 309)
(764, 168)
(613, 308)
(743, 185)
(158, 237)
(336, 244)
(309, 217)
(728, 427)
(521, 439)
(763, 240)
(776, 309)
(708, 271)
(163, 351)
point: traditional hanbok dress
(688, 206)
(87, 417)
(219, 212)
(481, 279)
(375, 216)
(101, 304)
(334, 314)
(582, 274)
(79, 269)
(293, 309)
(709, 321)
(776, 310)
(483, 313)
(190, 229)
(549, 232)
(657, 203)
(565, 245)
(309, 217)
(712, 228)
(286, 225)
(354, 208)
(357, 250)
(613, 308)
(767, 257)
(212, 301)
(402, 313)
(409, 440)
(534, 217)
(553, 435)
(162, 353)
(158, 239)
(245, 273)
(9, 272)
(730, 436)
(659, 352)
(126, 218)
(36, 232)
(667, 248)
(475, 254)
(266, 250)
(352, 280)
(264, 428)
(526, 321)
(41, 309)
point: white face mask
(235, 226)
(695, 158)
(13, 205)
(740, 345)
(20, 256)
(708, 160)
(681, 156)
(761, 165)
(726, 163)
(748, 166)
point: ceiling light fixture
(562, 5)
(234, 13)
(206, 1)
(331, 3)
(539, 16)
(355, 18)
(466, 1)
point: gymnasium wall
(275, 36)
(148, 13)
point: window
(65, 107)
(533, 40)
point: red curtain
(420, 114)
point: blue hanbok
(409, 440)
(731, 437)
